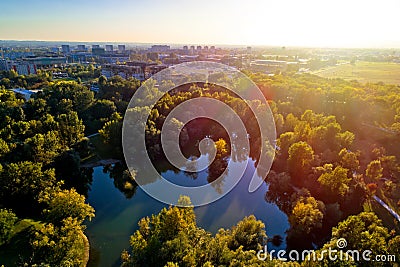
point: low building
(148, 69)
(5, 64)
(98, 51)
(268, 66)
(25, 93)
(125, 71)
(45, 62)
(24, 68)
(159, 48)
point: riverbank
(86, 249)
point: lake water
(117, 217)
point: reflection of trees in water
(276, 240)
(215, 170)
(123, 179)
(190, 168)
(280, 191)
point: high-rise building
(95, 46)
(121, 48)
(212, 49)
(65, 49)
(81, 48)
(109, 48)
(192, 49)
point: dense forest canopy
(336, 151)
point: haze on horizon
(313, 23)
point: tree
(306, 215)
(336, 181)
(300, 160)
(71, 128)
(248, 233)
(7, 222)
(43, 147)
(62, 204)
(349, 160)
(362, 232)
(374, 170)
(222, 148)
(4, 148)
(172, 238)
(58, 245)
(285, 140)
(22, 183)
(157, 231)
(102, 108)
(111, 133)
(394, 246)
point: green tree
(62, 204)
(301, 156)
(349, 160)
(43, 147)
(248, 233)
(306, 215)
(22, 183)
(364, 231)
(71, 128)
(111, 134)
(336, 181)
(7, 222)
(394, 246)
(374, 170)
(59, 245)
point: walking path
(380, 201)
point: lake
(117, 216)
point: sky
(312, 23)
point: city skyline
(254, 22)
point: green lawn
(18, 247)
(363, 71)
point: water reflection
(117, 215)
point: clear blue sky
(335, 23)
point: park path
(92, 135)
(394, 213)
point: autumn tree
(307, 214)
(374, 170)
(301, 156)
(336, 181)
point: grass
(101, 151)
(18, 247)
(363, 71)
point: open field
(363, 71)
